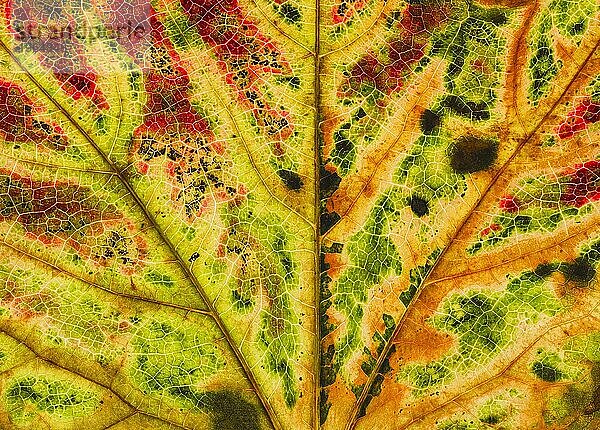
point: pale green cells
(178, 27)
(474, 48)
(571, 17)
(494, 412)
(70, 317)
(426, 172)
(484, 323)
(172, 357)
(578, 362)
(373, 256)
(28, 397)
(417, 275)
(542, 65)
(259, 249)
(550, 366)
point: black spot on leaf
(419, 206)
(328, 220)
(429, 121)
(467, 109)
(545, 269)
(329, 182)
(231, 411)
(546, 372)
(291, 179)
(471, 154)
(580, 271)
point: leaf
(296, 215)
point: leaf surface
(254, 214)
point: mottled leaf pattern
(280, 214)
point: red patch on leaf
(17, 121)
(51, 32)
(59, 212)
(583, 184)
(244, 55)
(587, 112)
(509, 204)
(386, 69)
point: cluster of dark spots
(418, 205)
(289, 12)
(546, 372)
(240, 47)
(577, 28)
(328, 182)
(580, 271)
(64, 211)
(292, 81)
(467, 109)
(470, 154)
(291, 179)
(327, 375)
(123, 249)
(327, 220)
(343, 151)
(18, 122)
(197, 168)
(430, 121)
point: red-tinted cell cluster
(509, 204)
(56, 213)
(52, 33)
(341, 13)
(583, 184)
(576, 187)
(18, 123)
(244, 56)
(587, 112)
(386, 69)
(173, 131)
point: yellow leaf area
(293, 215)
